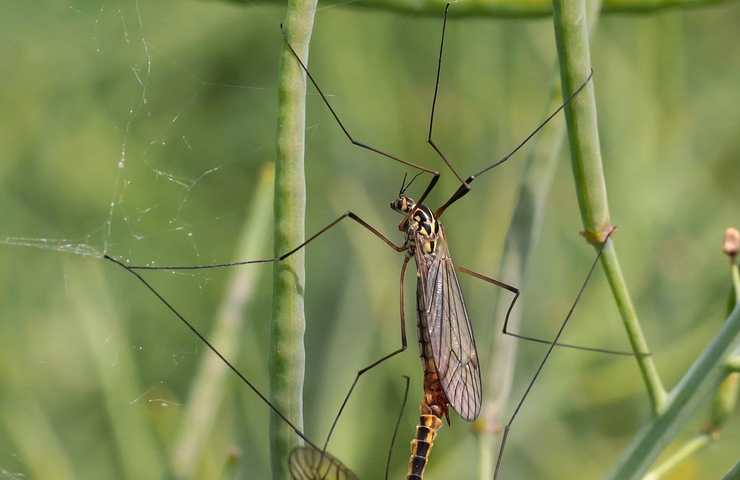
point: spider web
(122, 166)
(154, 155)
(155, 129)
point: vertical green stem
(287, 355)
(571, 34)
(521, 241)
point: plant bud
(731, 243)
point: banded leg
(352, 140)
(528, 338)
(350, 215)
(466, 184)
(540, 367)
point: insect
(451, 363)
(308, 463)
(459, 387)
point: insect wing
(309, 463)
(448, 327)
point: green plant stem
(571, 34)
(733, 474)
(726, 396)
(723, 406)
(703, 377)
(521, 240)
(287, 355)
(507, 8)
(207, 390)
(690, 448)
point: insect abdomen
(426, 432)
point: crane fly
(447, 344)
(450, 360)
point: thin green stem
(723, 406)
(521, 240)
(207, 390)
(704, 376)
(507, 8)
(690, 448)
(733, 474)
(571, 33)
(287, 355)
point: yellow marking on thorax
(426, 228)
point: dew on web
(54, 244)
(138, 187)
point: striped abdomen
(433, 406)
(426, 432)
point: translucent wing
(445, 318)
(309, 463)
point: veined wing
(448, 326)
(309, 463)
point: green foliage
(193, 87)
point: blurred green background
(141, 129)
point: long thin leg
(553, 343)
(249, 384)
(465, 187)
(326, 462)
(211, 347)
(466, 184)
(430, 141)
(505, 331)
(382, 359)
(350, 215)
(353, 141)
(398, 424)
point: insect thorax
(423, 223)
